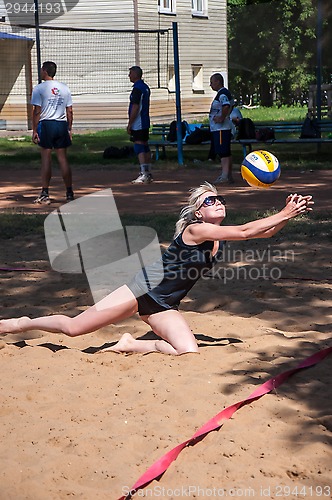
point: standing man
(52, 121)
(139, 123)
(221, 127)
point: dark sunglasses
(211, 200)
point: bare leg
(64, 166)
(46, 172)
(118, 305)
(170, 326)
(13, 325)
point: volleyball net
(90, 61)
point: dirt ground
(167, 193)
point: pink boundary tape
(163, 463)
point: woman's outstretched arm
(295, 205)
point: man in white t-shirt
(52, 121)
(221, 126)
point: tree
(272, 48)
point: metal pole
(37, 38)
(158, 59)
(319, 59)
(177, 92)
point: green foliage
(272, 49)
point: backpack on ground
(172, 134)
(246, 129)
(113, 152)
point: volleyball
(260, 169)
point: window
(199, 7)
(167, 6)
(171, 79)
(197, 78)
(3, 11)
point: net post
(177, 92)
(36, 6)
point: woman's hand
(296, 204)
(298, 197)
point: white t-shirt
(221, 99)
(235, 114)
(53, 97)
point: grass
(284, 113)
(86, 152)
(273, 114)
(315, 225)
(16, 224)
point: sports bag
(172, 134)
(265, 134)
(310, 129)
(198, 135)
(115, 153)
(246, 129)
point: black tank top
(182, 266)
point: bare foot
(14, 325)
(124, 344)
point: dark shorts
(222, 142)
(53, 134)
(140, 135)
(146, 304)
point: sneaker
(221, 180)
(143, 179)
(70, 196)
(43, 199)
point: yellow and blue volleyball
(260, 169)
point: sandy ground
(75, 424)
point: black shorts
(140, 135)
(146, 304)
(53, 134)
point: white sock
(145, 168)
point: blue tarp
(9, 36)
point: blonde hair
(187, 214)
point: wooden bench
(283, 135)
